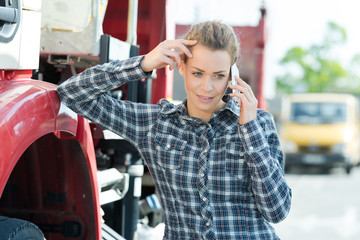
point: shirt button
(202, 174)
(204, 199)
(251, 148)
(168, 146)
(208, 223)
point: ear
(182, 69)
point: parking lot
(324, 207)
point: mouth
(205, 99)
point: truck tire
(17, 229)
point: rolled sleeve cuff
(133, 65)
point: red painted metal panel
(29, 110)
(151, 30)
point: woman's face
(206, 78)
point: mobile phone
(235, 72)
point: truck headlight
(290, 147)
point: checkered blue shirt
(216, 179)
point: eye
(220, 76)
(197, 74)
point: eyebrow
(200, 70)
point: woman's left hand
(248, 101)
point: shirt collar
(170, 108)
(231, 105)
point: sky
(290, 23)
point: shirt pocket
(170, 150)
(235, 163)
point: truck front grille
(314, 149)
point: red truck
(60, 176)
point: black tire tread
(16, 229)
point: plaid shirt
(216, 179)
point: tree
(315, 69)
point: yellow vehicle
(321, 129)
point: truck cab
(322, 130)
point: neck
(204, 115)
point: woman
(218, 168)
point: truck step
(113, 185)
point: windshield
(318, 113)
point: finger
(245, 86)
(168, 61)
(174, 56)
(238, 95)
(243, 93)
(247, 97)
(245, 102)
(182, 46)
(240, 99)
(243, 99)
(188, 42)
(247, 91)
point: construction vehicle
(321, 129)
(62, 177)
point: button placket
(202, 180)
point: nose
(206, 84)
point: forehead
(208, 59)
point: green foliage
(315, 69)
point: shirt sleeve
(266, 163)
(86, 94)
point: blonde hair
(216, 36)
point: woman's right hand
(166, 53)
